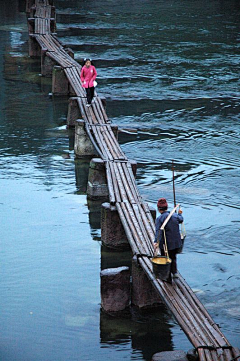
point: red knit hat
(162, 203)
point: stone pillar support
(29, 4)
(112, 231)
(59, 81)
(73, 112)
(47, 64)
(34, 48)
(31, 26)
(144, 294)
(83, 146)
(97, 180)
(53, 26)
(176, 355)
(115, 289)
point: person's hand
(155, 246)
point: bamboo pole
(201, 354)
(213, 337)
(125, 183)
(236, 353)
(161, 289)
(101, 143)
(137, 229)
(141, 223)
(110, 184)
(149, 216)
(203, 319)
(150, 233)
(127, 229)
(120, 183)
(127, 172)
(202, 309)
(115, 184)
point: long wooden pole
(169, 216)
(173, 178)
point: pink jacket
(88, 75)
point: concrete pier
(176, 355)
(60, 84)
(144, 294)
(47, 64)
(115, 289)
(112, 231)
(34, 49)
(97, 180)
(83, 146)
(73, 112)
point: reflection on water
(170, 72)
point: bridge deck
(134, 213)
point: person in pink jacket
(88, 75)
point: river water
(170, 73)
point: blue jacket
(171, 230)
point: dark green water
(170, 72)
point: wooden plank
(146, 209)
(115, 184)
(130, 220)
(115, 143)
(128, 175)
(125, 183)
(115, 150)
(112, 197)
(97, 113)
(127, 228)
(102, 109)
(136, 230)
(220, 355)
(200, 306)
(129, 166)
(205, 321)
(151, 235)
(162, 289)
(214, 356)
(186, 313)
(201, 355)
(93, 141)
(110, 150)
(147, 242)
(101, 142)
(236, 353)
(120, 183)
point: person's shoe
(88, 105)
(175, 275)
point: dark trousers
(173, 255)
(90, 94)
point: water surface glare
(170, 73)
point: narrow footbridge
(193, 318)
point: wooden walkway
(134, 213)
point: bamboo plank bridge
(193, 318)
